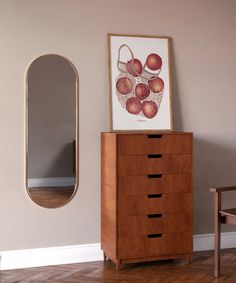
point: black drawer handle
(154, 176)
(154, 156)
(154, 215)
(154, 235)
(154, 195)
(154, 136)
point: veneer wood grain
(142, 205)
(154, 224)
(144, 165)
(159, 244)
(144, 144)
(146, 196)
(154, 183)
(109, 196)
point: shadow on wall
(215, 166)
(177, 115)
(63, 165)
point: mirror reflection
(51, 131)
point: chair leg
(217, 233)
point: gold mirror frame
(76, 128)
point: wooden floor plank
(200, 269)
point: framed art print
(140, 86)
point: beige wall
(204, 99)
(51, 117)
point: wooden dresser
(146, 196)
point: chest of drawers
(146, 196)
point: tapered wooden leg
(188, 259)
(104, 257)
(217, 233)
(118, 265)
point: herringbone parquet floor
(199, 270)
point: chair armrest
(222, 189)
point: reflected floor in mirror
(51, 197)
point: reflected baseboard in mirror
(51, 131)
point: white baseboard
(205, 242)
(92, 252)
(51, 182)
(49, 256)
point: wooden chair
(225, 216)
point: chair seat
(228, 216)
(221, 216)
(228, 212)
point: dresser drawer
(170, 243)
(140, 225)
(154, 143)
(154, 245)
(177, 163)
(154, 164)
(139, 165)
(178, 222)
(154, 224)
(132, 247)
(139, 205)
(175, 203)
(154, 184)
(142, 205)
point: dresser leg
(188, 259)
(104, 257)
(118, 265)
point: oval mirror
(51, 131)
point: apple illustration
(149, 109)
(154, 62)
(156, 84)
(133, 105)
(134, 67)
(124, 85)
(142, 91)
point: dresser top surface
(158, 132)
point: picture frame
(139, 82)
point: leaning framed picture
(140, 84)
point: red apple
(124, 85)
(154, 62)
(156, 84)
(134, 67)
(149, 109)
(142, 91)
(133, 105)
